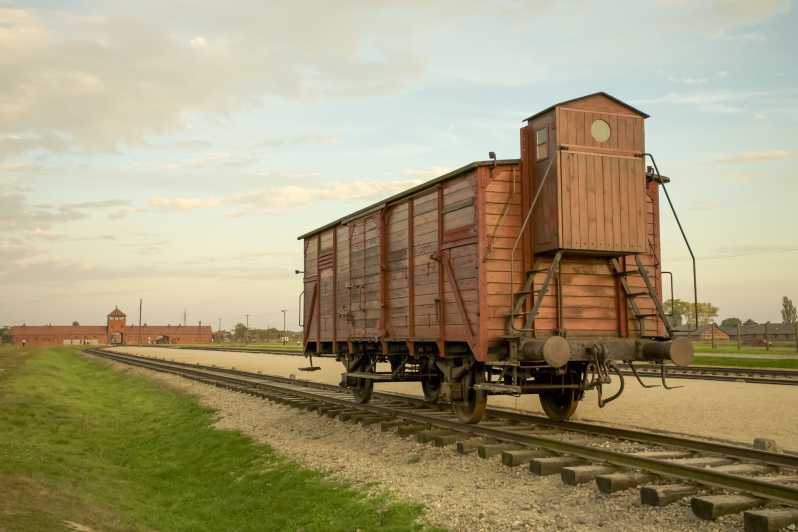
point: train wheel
(559, 405)
(362, 388)
(475, 402)
(431, 381)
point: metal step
(499, 389)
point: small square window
(542, 143)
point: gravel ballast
(731, 411)
(459, 492)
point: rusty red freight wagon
(530, 276)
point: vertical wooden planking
(557, 178)
(342, 282)
(616, 202)
(318, 299)
(606, 184)
(582, 210)
(335, 291)
(483, 179)
(441, 277)
(591, 231)
(570, 215)
(411, 271)
(382, 272)
(579, 128)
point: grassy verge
(784, 363)
(731, 347)
(86, 445)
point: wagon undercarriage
(581, 365)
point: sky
(173, 151)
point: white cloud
(689, 80)
(95, 82)
(184, 203)
(198, 42)
(427, 173)
(745, 37)
(286, 196)
(309, 138)
(722, 100)
(755, 156)
(213, 160)
(19, 216)
(751, 11)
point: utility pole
(767, 344)
(199, 331)
(185, 315)
(738, 335)
(283, 339)
(712, 328)
(140, 305)
(246, 336)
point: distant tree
(5, 335)
(75, 324)
(706, 311)
(788, 313)
(683, 313)
(731, 322)
(240, 332)
(679, 311)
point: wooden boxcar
(525, 276)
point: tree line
(240, 333)
(682, 313)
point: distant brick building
(704, 332)
(115, 332)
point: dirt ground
(460, 492)
(722, 410)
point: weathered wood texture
(403, 298)
(592, 199)
(435, 266)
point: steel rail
(781, 493)
(749, 375)
(654, 438)
(725, 374)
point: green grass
(81, 442)
(731, 347)
(784, 363)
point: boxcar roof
(600, 93)
(410, 192)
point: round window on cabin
(600, 130)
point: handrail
(299, 306)
(518, 239)
(684, 237)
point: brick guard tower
(116, 327)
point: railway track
(719, 478)
(723, 373)
(712, 373)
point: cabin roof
(600, 93)
(116, 313)
(410, 192)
